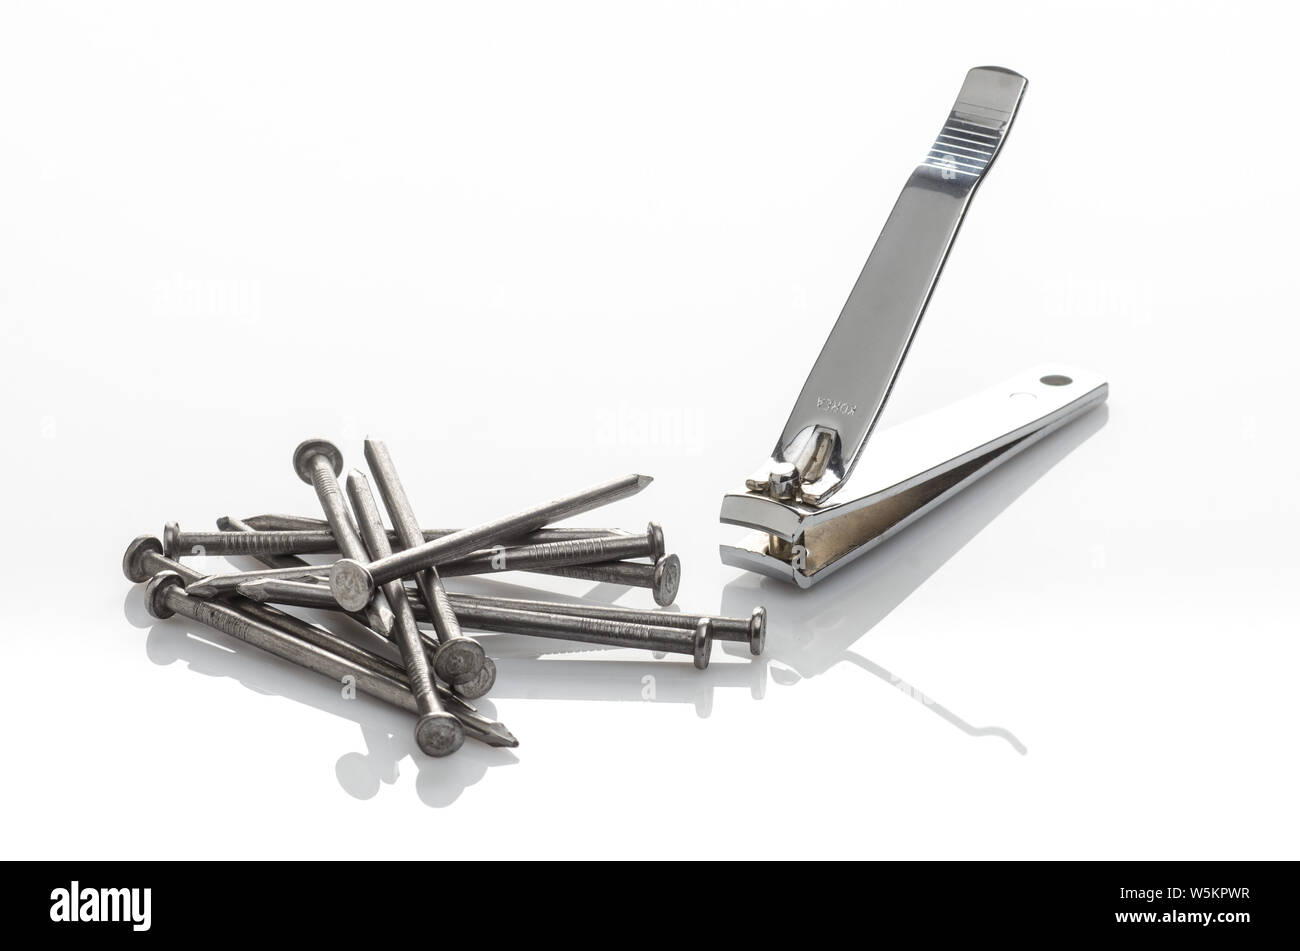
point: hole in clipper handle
(1055, 379)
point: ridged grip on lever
(855, 372)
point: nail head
(155, 595)
(133, 561)
(703, 643)
(302, 457)
(439, 734)
(667, 578)
(458, 660)
(482, 682)
(351, 584)
(757, 630)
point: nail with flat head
(353, 580)
(318, 462)
(696, 641)
(750, 630)
(577, 551)
(308, 528)
(437, 731)
(662, 578)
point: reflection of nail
(165, 597)
(144, 559)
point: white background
(535, 246)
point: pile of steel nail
(389, 582)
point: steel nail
(459, 658)
(437, 732)
(696, 642)
(318, 463)
(578, 551)
(315, 541)
(353, 581)
(751, 630)
(663, 577)
(307, 524)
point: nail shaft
(578, 551)
(751, 630)
(310, 526)
(695, 642)
(662, 578)
(302, 594)
(228, 524)
(353, 581)
(307, 542)
(268, 559)
(437, 733)
(210, 586)
(319, 462)
(459, 659)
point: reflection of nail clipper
(802, 535)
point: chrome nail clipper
(824, 497)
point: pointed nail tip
(503, 736)
(643, 480)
